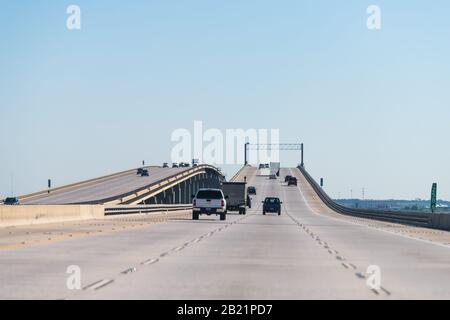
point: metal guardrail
(402, 217)
(139, 209)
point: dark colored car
(144, 173)
(292, 181)
(272, 204)
(286, 179)
(174, 165)
(139, 170)
(11, 201)
(251, 190)
(165, 165)
(261, 166)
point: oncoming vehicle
(11, 201)
(292, 181)
(286, 179)
(209, 201)
(261, 166)
(251, 190)
(144, 173)
(139, 170)
(165, 165)
(174, 165)
(272, 204)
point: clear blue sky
(372, 107)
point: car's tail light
(194, 202)
(222, 203)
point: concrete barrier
(246, 171)
(40, 214)
(441, 221)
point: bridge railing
(403, 217)
(154, 187)
(140, 209)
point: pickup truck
(236, 196)
(209, 201)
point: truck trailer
(236, 196)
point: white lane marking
(370, 227)
(338, 257)
(129, 270)
(150, 261)
(99, 284)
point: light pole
(245, 153)
(302, 164)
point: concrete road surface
(302, 254)
(103, 189)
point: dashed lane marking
(98, 284)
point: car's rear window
(272, 200)
(209, 194)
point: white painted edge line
(369, 227)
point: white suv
(209, 201)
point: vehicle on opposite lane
(272, 204)
(209, 201)
(11, 201)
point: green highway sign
(433, 197)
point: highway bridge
(162, 185)
(152, 249)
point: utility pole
(49, 184)
(12, 185)
(302, 164)
(245, 153)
